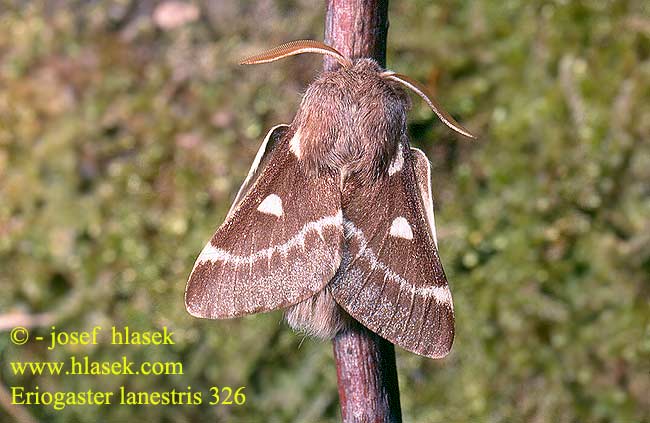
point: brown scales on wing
(349, 142)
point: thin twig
(366, 371)
(571, 93)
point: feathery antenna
(296, 47)
(421, 90)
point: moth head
(310, 46)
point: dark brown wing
(281, 243)
(391, 278)
(261, 158)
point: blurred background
(126, 128)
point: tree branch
(365, 362)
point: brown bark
(367, 377)
(357, 28)
(365, 362)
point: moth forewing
(276, 248)
(394, 282)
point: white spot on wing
(294, 144)
(398, 161)
(271, 205)
(401, 228)
(256, 163)
(441, 293)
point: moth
(335, 218)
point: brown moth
(335, 217)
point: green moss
(121, 146)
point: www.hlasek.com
(85, 366)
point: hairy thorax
(350, 121)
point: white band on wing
(211, 253)
(442, 294)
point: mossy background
(122, 144)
